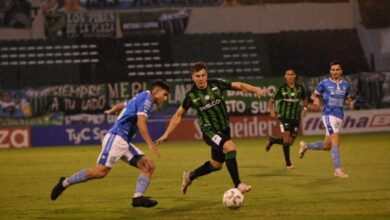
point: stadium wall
(272, 18)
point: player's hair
(198, 66)
(292, 69)
(162, 84)
(335, 62)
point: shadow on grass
(320, 180)
(182, 207)
(278, 173)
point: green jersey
(288, 99)
(209, 104)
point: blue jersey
(334, 95)
(126, 124)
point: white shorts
(114, 147)
(332, 124)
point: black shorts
(289, 126)
(216, 140)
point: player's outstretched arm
(116, 108)
(173, 123)
(351, 104)
(144, 131)
(271, 109)
(245, 87)
(305, 107)
(316, 103)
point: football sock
(142, 185)
(277, 140)
(79, 177)
(206, 168)
(318, 145)
(336, 156)
(286, 151)
(231, 164)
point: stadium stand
(311, 51)
(375, 14)
(28, 63)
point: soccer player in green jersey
(206, 98)
(289, 99)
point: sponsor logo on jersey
(210, 105)
(291, 100)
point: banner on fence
(354, 122)
(80, 24)
(139, 4)
(83, 134)
(86, 103)
(241, 127)
(15, 137)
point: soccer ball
(233, 198)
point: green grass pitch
(308, 192)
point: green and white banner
(80, 24)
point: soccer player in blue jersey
(117, 144)
(335, 92)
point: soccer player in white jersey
(117, 144)
(335, 92)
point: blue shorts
(114, 147)
(332, 124)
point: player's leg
(147, 166)
(110, 153)
(292, 131)
(100, 171)
(292, 140)
(286, 149)
(83, 175)
(215, 164)
(231, 164)
(220, 141)
(136, 158)
(335, 149)
(317, 145)
(327, 143)
(274, 140)
(334, 146)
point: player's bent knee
(136, 160)
(146, 165)
(216, 166)
(102, 174)
(150, 166)
(229, 146)
(98, 174)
